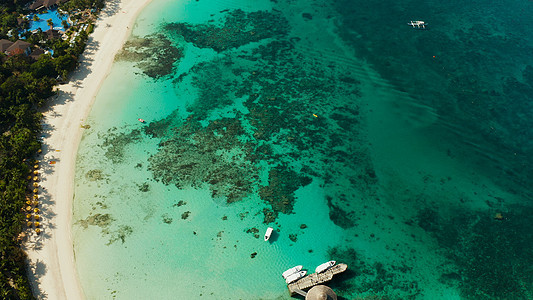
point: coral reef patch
(236, 29)
(287, 125)
(492, 255)
(375, 280)
(114, 143)
(154, 55)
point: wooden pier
(311, 280)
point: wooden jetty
(311, 280)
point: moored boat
(291, 271)
(323, 267)
(141, 120)
(295, 276)
(268, 233)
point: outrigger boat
(323, 267)
(295, 276)
(268, 233)
(291, 271)
(418, 24)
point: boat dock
(311, 280)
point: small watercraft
(323, 267)
(295, 276)
(418, 24)
(141, 120)
(268, 233)
(291, 271)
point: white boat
(418, 24)
(295, 276)
(268, 233)
(291, 271)
(323, 267)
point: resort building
(4, 44)
(46, 4)
(37, 53)
(19, 47)
(52, 34)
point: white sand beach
(51, 255)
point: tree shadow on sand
(111, 9)
(36, 271)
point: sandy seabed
(51, 257)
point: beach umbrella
(36, 210)
(36, 172)
(35, 184)
(35, 191)
(29, 223)
(37, 230)
(29, 177)
(28, 216)
(321, 292)
(36, 167)
(28, 202)
(35, 178)
(36, 217)
(37, 224)
(35, 197)
(39, 151)
(28, 208)
(35, 203)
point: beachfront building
(20, 47)
(45, 4)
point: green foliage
(44, 67)
(25, 84)
(83, 4)
(65, 62)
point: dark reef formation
(114, 142)
(282, 183)
(288, 126)
(377, 281)
(105, 222)
(237, 28)
(493, 255)
(195, 155)
(154, 55)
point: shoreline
(53, 273)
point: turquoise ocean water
(403, 153)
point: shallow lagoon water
(304, 117)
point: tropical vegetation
(25, 85)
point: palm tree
(35, 18)
(50, 23)
(65, 24)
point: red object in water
(141, 120)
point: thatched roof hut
(321, 292)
